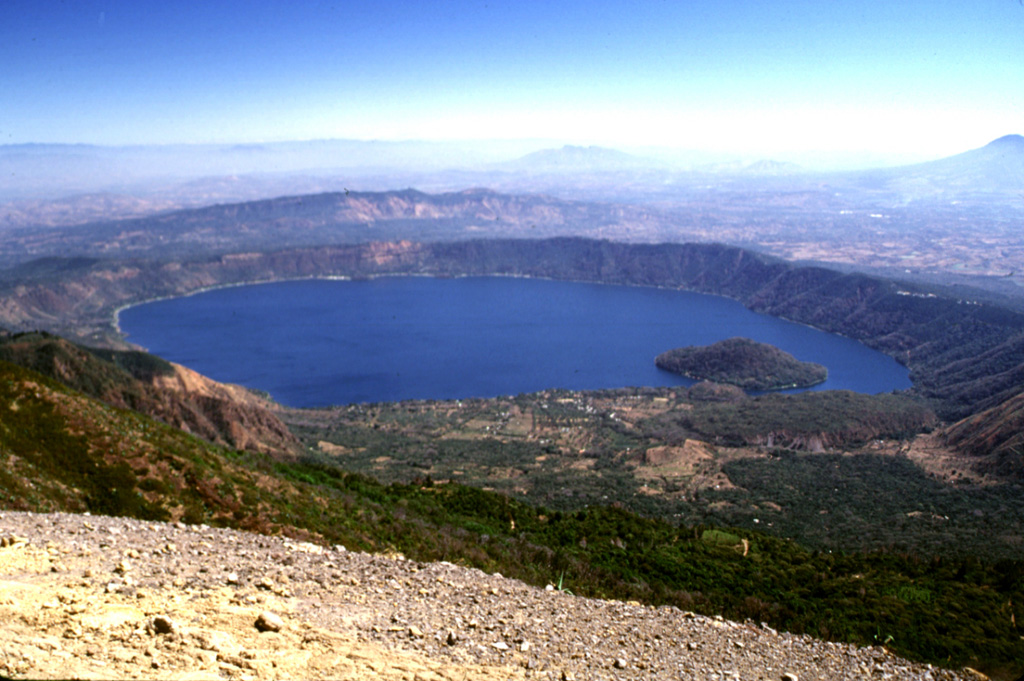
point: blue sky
(899, 79)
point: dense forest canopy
(744, 363)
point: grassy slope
(64, 451)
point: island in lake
(744, 363)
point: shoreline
(115, 324)
(744, 320)
(116, 314)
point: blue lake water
(320, 342)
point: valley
(865, 478)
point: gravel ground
(97, 597)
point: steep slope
(995, 436)
(61, 450)
(993, 171)
(223, 414)
(995, 168)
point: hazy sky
(747, 76)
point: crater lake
(321, 342)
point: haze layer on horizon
(880, 82)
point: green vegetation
(130, 379)
(865, 502)
(97, 372)
(567, 451)
(68, 470)
(61, 450)
(744, 363)
(802, 421)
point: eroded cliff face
(224, 414)
(815, 442)
(995, 437)
(822, 440)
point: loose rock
(268, 621)
(347, 619)
(161, 624)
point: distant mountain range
(222, 173)
(994, 169)
(574, 159)
(33, 171)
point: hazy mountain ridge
(984, 174)
(34, 171)
(576, 159)
(761, 168)
(161, 172)
(336, 218)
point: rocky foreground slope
(97, 597)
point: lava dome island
(742, 362)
